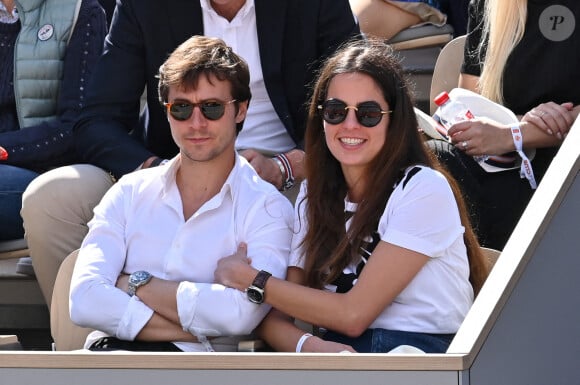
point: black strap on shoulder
(345, 282)
(410, 174)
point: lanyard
(526, 170)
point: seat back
(66, 335)
(491, 255)
(418, 48)
(426, 35)
(447, 69)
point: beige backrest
(491, 255)
(66, 335)
(446, 71)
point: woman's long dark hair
(328, 248)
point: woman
(44, 70)
(405, 266)
(513, 56)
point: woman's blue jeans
(383, 340)
(13, 182)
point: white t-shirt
(139, 225)
(421, 216)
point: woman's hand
(235, 270)
(318, 345)
(481, 136)
(552, 118)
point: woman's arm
(388, 271)
(552, 118)
(280, 332)
(544, 126)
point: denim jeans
(383, 340)
(13, 182)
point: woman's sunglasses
(368, 114)
(211, 109)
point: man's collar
(247, 7)
(168, 175)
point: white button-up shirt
(263, 129)
(139, 225)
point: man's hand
(269, 170)
(265, 167)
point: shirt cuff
(134, 319)
(187, 296)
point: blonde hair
(504, 25)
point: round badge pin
(45, 32)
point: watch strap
(261, 278)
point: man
(168, 226)
(47, 50)
(283, 42)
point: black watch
(255, 292)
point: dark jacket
(293, 35)
(49, 144)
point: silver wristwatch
(138, 279)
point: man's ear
(242, 111)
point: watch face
(137, 279)
(255, 295)
(139, 276)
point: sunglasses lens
(213, 110)
(369, 114)
(334, 111)
(181, 111)
(210, 110)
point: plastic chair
(447, 69)
(418, 49)
(491, 255)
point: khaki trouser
(56, 208)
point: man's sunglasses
(368, 114)
(211, 109)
